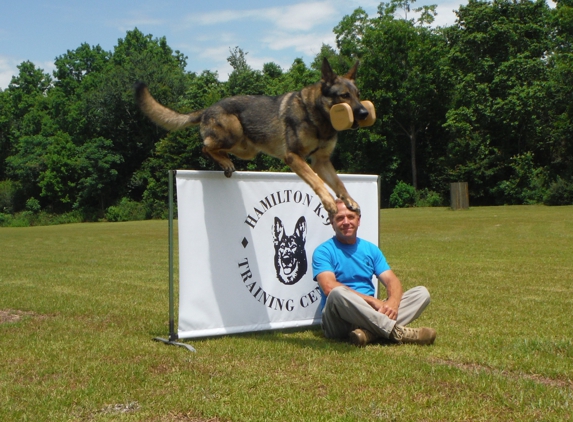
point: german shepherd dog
(293, 127)
(290, 255)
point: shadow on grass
(302, 337)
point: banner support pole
(172, 334)
(379, 286)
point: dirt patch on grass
(552, 382)
(12, 315)
(186, 418)
(121, 408)
(133, 407)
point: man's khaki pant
(345, 311)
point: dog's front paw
(330, 207)
(352, 205)
(228, 170)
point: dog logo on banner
(278, 231)
(290, 254)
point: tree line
(488, 101)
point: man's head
(345, 223)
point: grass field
(80, 304)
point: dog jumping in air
(294, 127)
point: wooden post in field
(459, 197)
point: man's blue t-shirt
(353, 265)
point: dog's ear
(328, 74)
(352, 72)
(300, 229)
(278, 231)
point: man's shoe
(407, 335)
(360, 337)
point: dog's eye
(346, 95)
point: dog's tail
(161, 115)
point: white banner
(245, 249)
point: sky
(268, 31)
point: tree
(243, 80)
(58, 182)
(76, 72)
(67, 176)
(559, 91)
(27, 93)
(339, 62)
(299, 76)
(350, 32)
(6, 138)
(97, 173)
(74, 66)
(74, 132)
(401, 72)
(499, 109)
(26, 164)
(109, 110)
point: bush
(157, 209)
(525, 185)
(45, 219)
(5, 219)
(29, 218)
(21, 219)
(403, 195)
(126, 210)
(33, 205)
(429, 198)
(559, 192)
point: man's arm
(327, 281)
(394, 290)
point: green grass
(80, 304)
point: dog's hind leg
(303, 170)
(325, 170)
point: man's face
(345, 224)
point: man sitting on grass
(344, 266)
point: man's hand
(386, 307)
(389, 309)
(394, 289)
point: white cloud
(216, 53)
(220, 16)
(309, 43)
(446, 15)
(258, 62)
(300, 17)
(299, 28)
